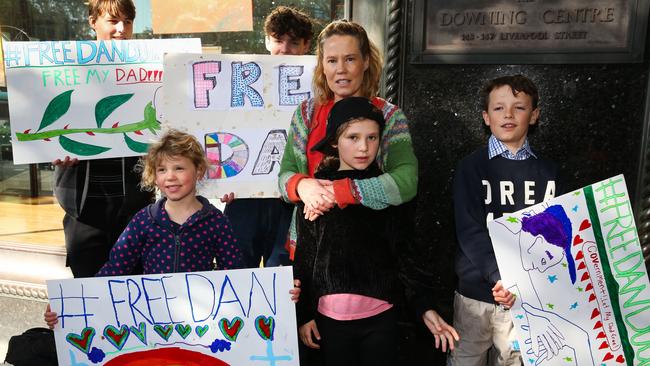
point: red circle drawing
(170, 356)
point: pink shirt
(351, 306)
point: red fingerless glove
(343, 193)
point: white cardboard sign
(85, 99)
(576, 266)
(234, 317)
(240, 108)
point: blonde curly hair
(171, 144)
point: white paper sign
(240, 107)
(235, 317)
(576, 266)
(85, 99)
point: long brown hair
(371, 77)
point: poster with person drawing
(576, 267)
(220, 318)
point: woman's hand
(295, 291)
(315, 196)
(306, 330)
(310, 214)
(227, 198)
(66, 162)
(443, 333)
(50, 317)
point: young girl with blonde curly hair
(181, 232)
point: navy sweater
(352, 250)
(485, 189)
(163, 246)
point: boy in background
(261, 225)
(98, 196)
(505, 176)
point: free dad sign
(240, 108)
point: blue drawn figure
(242, 78)
(270, 357)
(544, 240)
(549, 329)
(73, 359)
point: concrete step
(23, 295)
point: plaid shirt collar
(496, 148)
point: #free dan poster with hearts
(576, 268)
(234, 317)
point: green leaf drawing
(107, 105)
(150, 118)
(80, 148)
(57, 108)
(139, 147)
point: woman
(348, 65)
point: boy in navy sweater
(505, 176)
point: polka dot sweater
(164, 246)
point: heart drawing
(82, 341)
(140, 332)
(265, 327)
(231, 328)
(164, 331)
(117, 337)
(201, 330)
(183, 330)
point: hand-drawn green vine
(59, 106)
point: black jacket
(351, 250)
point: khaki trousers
(486, 332)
